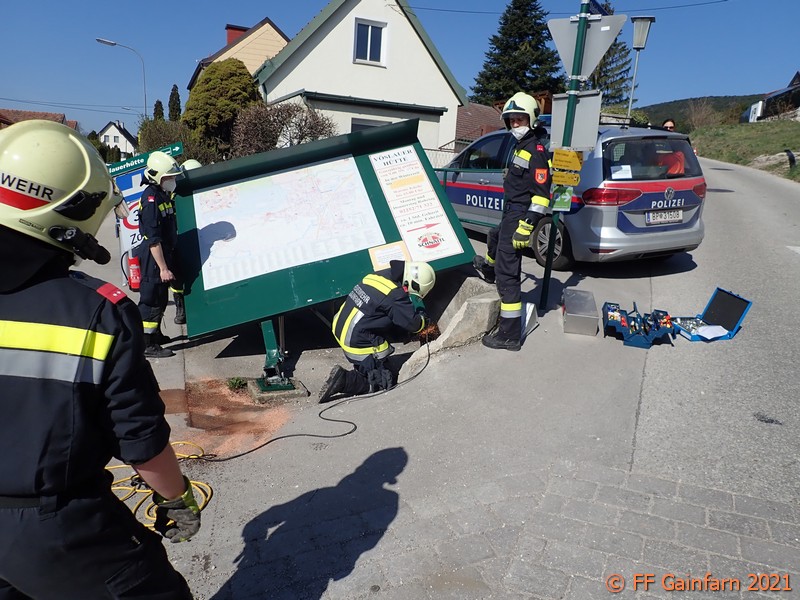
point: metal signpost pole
(569, 123)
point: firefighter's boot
(495, 341)
(333, 385)
(485, 267)
(180, 309)
(153, 349)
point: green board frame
(261, 297)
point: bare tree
(702, 114)
(260, 128)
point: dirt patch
(226, 422)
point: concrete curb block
(472, 312)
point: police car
(640, 195)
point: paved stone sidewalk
(555, 533)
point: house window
(116, 139)
(369, 41)
(105, 139)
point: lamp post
(641, 27)
(144, 80)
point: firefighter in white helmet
(391, 297)
(526, 200)
(158, 252)
(77, 389)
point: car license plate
(661, 217)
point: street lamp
(144, 80)
(641, 27)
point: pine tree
(158, 111)
(612, 75)
(174, 104)
(518, 58)
(225, 88)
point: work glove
(177, 520)
(379, 379)
(522, 236)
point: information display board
(287, 229)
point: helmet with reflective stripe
(160, 165)
(55, 187)
(418, 278)
(521, 104)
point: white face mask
(520, 132)
(168, 185)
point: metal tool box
(721, 319)
(636, 329)
(579, 312)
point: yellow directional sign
(567, 160)
(566, 178)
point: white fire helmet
(55, 187)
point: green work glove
(522, 236)
(177, 520)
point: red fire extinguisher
(135, 273)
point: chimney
(234, 32)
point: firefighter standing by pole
(158, 252)
(77, 390)
(526, 200)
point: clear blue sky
(51, 61)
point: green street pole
(569, 124)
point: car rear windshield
(637, 159)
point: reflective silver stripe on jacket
(49, 365)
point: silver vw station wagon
(640, 195)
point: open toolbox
(721, 319)
(637, 329)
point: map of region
(275, 222)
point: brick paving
(559, 538)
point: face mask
(168, 185)
(520, 132)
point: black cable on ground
(353, 426)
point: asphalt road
(466, 461)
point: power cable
(616, 10)
(353, 426)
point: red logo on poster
(430, 240)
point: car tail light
(700, 190)
(609, 196)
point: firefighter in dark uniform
(77, 390)
(526, 200)
(158, 252)
(391, 297)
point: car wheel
(562, 252)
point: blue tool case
(721, 320)
(636, 329)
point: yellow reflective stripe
(511, 310)
(540, 200)
(346, 329)
(150, 326)
(365, 351)
(55, 338)
(550, 164)
(380, 283)
(489, 259)
(523, 154)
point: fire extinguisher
(135, 273)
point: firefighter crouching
(158, 252)
(77, 389)
(391, 297)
